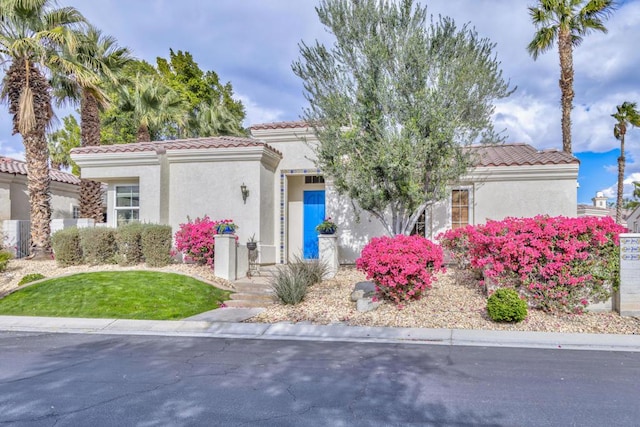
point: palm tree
(626, 115)
(32, 34)
(566, 22)
(153, 105)
(101, 56)
(215, 119)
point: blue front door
(312, 214)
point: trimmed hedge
(66, 247)
(156, 244)
(129, 242)
(98, 245)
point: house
(633, 220)
(600, 209)
(269, 185)
(14, 196)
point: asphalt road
(98, 380)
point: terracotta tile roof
(519, 154)
(280, 125)
(9, 165)
(176, 144)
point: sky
(252, 43)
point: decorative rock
(363, 290)
(356, 295)
(367, 304)
(367, 286)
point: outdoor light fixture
(245, 193)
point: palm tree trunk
(31, 115)
(565, 50)
(143, 134)
(621, 163)
(38, 182)
(90, 191)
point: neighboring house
(170, 181)
(633, 220)
(14, 196)
(600, 209)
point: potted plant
(327, 227)
(252, 244)
(226, 227)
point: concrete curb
(306, 332)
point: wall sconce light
(245, 193)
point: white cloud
(8, 150)
(256, 113)
(627, 188)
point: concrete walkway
(225, 324)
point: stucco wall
(14, 198)
(63, 198)
(147, 177)
(633, 221)
(213, 188)
(5, 199)
(525, 198)
(266, 235)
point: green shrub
(66, 247)
(129, 242)
(98, 245)
(156, 244)
(28, 278)
(5, 256)
(290, 284)
(505, 305)
(312, 270)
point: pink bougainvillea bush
(195, 239)
(402, 267)
(557, 263)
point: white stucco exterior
(192, 178)
(633, 221)
(14, 196)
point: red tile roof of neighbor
(519, 154)
(9, 165)
(280, 125)
(177, 144)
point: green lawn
(120, 295)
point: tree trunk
(621, 163)
(31, 115)
(143, 134)
(90, 191)
(38, 182)
(565, 50)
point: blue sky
(251, 43)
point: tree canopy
(190, 91)
(394, 101)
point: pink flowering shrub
(195, 239)
(402, 267)
(557, 263)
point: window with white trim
(75, 212)
(127, 204)
(459, 208)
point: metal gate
(23, 240)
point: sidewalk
(225, 323)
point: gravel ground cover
(455, 301)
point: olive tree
(394, 101)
